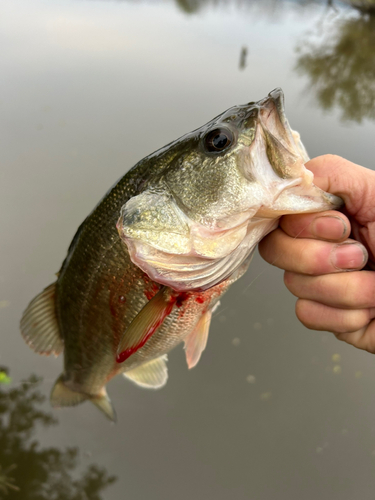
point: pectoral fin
(39, 324)
(196, 342)
(152, 375)
(146, 323)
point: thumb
(353, 183)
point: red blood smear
(124, 355)
(200, 300)
(181, 298)
(149, 294)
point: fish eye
(217, 140)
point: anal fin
(196, 341)
(39, 326)
(61, 395)
(152, 375)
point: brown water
(88, 88)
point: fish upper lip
(272, 117)
(276, 95)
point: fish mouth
(291, 189)
(274, 122)
(297, 196)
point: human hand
(315, 250)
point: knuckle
(333, 159)
(289, 278)
(319, 285)
(264, 250)
(361, 289)
(354, 288)
(296, 224)
(307, 262)
(363, 338)
(370, 345)
(352, 321)
(302, 312)
(268, 246)
(366, 339)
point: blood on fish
(200, 300)
(181, 297)
(124, 355)
(149, 294)
(175, 299)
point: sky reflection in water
(89, 88)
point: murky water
(87, 89)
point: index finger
(353, 183)
(309, 256)
(329, 226)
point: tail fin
(61, 396)
(104, 404)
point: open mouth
(292, 189)
(274, 121)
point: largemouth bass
(147, 267)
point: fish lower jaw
(299, 195)
(280, 190)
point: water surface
(272, 411)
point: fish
(147, 268)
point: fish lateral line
(189, 217)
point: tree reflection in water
(265, 6)
(29, 471)
(365, 6)
(341, 67)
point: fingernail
(349, 256)
(329, 227)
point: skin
(328, 258)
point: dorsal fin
(196, 341)
(39, 324)
(152, 375)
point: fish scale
(148, 266)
